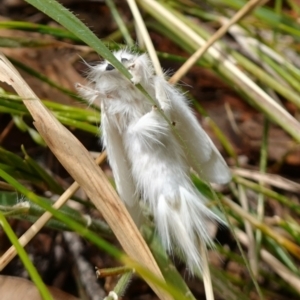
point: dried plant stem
(40, 223)
(206, 273)
(6, 131)
(261, 196)
(246, 9)
(268, 179)
(145, 35)
(251, 249)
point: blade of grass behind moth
(77, 124)
(78, 162)
(68, 115)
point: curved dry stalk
(271, 179)
(209, 293)
(246, 9)
(80, 165)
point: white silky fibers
(151, 156)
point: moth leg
(140, 69)
(88, 93)
(161, 93)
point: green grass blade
(64, 17)
(25, 259)
(39, 171)
(119, 21)
(33, 27)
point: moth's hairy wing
(175, 107)
(215, 169)
(192, 136)
(201, 153)
(118, 162)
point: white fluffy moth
(151, 157)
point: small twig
(6, 186)
(231, 119)
(6, 131)
(100, 273)
(120, 287)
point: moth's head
(123, 56)
(106, 70)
